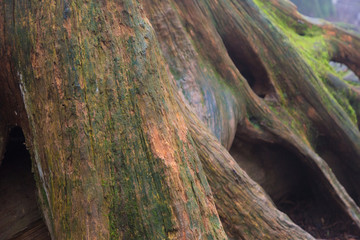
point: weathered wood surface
(101, 90)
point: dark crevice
(333, 155)
(20, 215)
(294, 188)
(250, 66)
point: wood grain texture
(112, 97)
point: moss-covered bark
(102, 88)
(110, 149)
(283, 59)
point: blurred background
(345, 13)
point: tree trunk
(130, 109)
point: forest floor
(314, 219)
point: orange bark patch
(161, 147)
(67, 26)
(331, 33)
(58, 81)
(182, 129)
(312, 113)
(346, 38)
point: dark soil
(316, 217)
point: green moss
(342, 98)
(310, 43)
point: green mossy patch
(310, 43)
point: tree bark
(129, 109)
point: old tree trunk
(145, 119)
